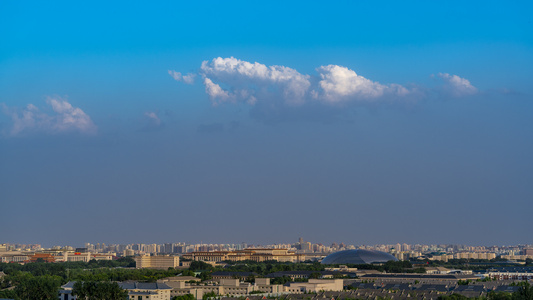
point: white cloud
(342, 84)
(231, 80)
(216, 93)
(251, 81)
(65, 118)
(153, 117)
(457, 86)
(188, 79)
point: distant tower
(301, 240)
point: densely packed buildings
(294, 252)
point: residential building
(156, 262)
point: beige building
(465, 255)
(315, 285)
(510, 275)
(156, 262)
(14, 258)
(81, 256)
(517, 257)
(136, 291)
(147, 290)
(255, 254)
(236, 288)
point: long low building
(254, 254)
(414, 276)
(316, 285)
(236, 288)
(510, 275)
(64, 256)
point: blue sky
(356, 121)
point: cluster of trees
(43, 280)
(267, 267)
(99, 290)
(184, 297)
(191, 297)
(40, 268)
(91, 271)
(28, 286)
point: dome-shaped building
(358, 256)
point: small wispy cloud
(151, 121)
(188, 79)
(63, 118)
(457, 86)
(153, 117)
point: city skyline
(188, 247)
(361, 122)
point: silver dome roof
(358, 256)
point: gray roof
(144, 293)
(364, 285)
(469, 288)
(289, 273)
(131, 285)
(396, 286)
(507, 288)
(433, 287)
(144, 286)
(68, 285)
(420, 276)
(241, 274)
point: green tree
(209, 295)
(187, 273)
(463, 282)
(524, 293)
(205, 276)
(453, 297)
(41, 287)
(99, 290)
(184, 297)
(200, 265)
(499, 296)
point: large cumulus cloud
(252, 81)
(339, 83)
(280, 89)
(233, 80)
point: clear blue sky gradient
(440, 169)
